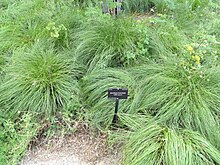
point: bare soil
(82, 148)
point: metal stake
(115, 118)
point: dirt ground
(80, 149)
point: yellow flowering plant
(190, 49)
(194, 55)
(57, 32)
(191, 64)
(197, 59)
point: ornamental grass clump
(150, 142)
(182, 95)
(174, 89)
(95, 85)
(107, 42)
(22, 23)
(25, 22)
(39, 81)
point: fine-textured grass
(86, 3)
(148, 5)
(95, 85)
(23, 23)
(181, 95)
(138, 6)
(39, 81)
(165, 6)
(58, 59)
(104, 42)
(152, 143)
(171, 37)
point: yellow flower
(190, 49)
(50, 25)
(54, 34)
(197, 59)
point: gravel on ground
(80, 149)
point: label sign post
(117, 93)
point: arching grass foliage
(100, 109)
(105, 42)
(150, 142)
(58, 59)
(39, 81)
(174, 93)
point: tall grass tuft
(25, 22)
(95, 85)
(171, 37)
(182, 95)
(107, 42)
(39, 81)
(152, 143)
